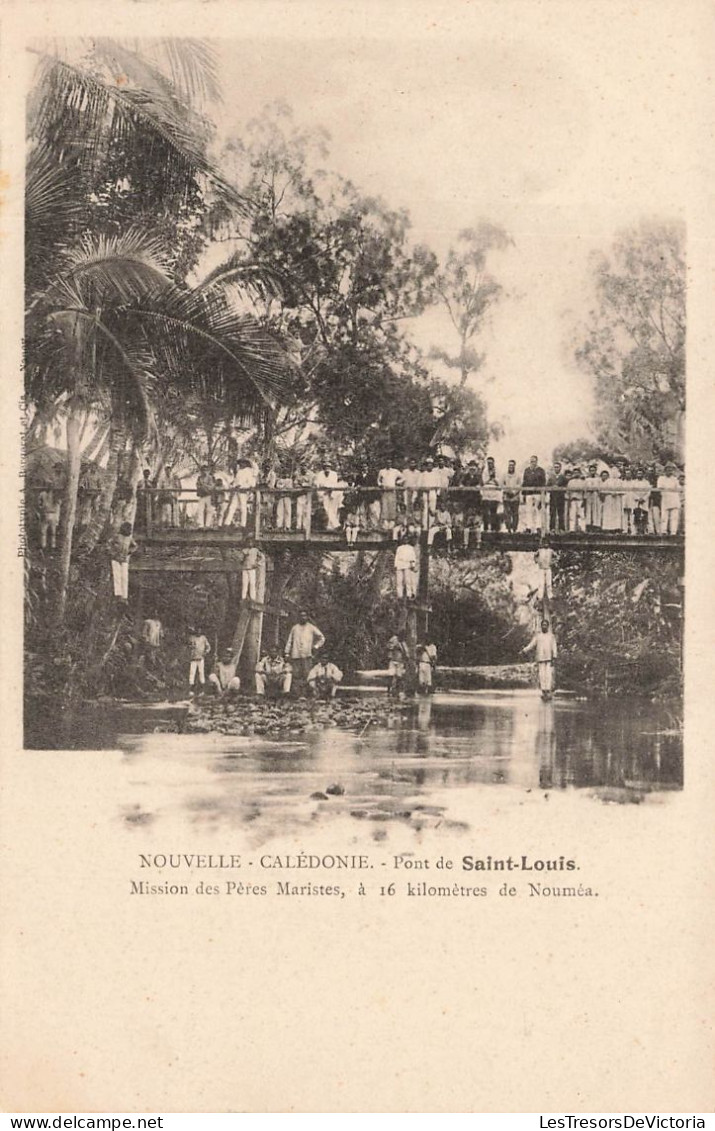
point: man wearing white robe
(544, 643)
(329, 497)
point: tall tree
(468, 291)
(634, 342)
(336, 271)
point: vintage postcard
(356, 558)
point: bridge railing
(624, 508)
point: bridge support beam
(254, 633)
(421, 609)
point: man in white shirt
(512, 492)
(152, 634)
(442, 524)
(303, 640)
(406, 570)
(244, 480)
(544, 644)
(592, 510)
(388, 480)
(323, 679)
(544, 557)
(249, 571)
(430, 480)
(273, 674)
(223, 679)
(445, 472)
(489, 471)
(669, 487)
(411, 481)
(330, 498)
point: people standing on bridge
(323, 678)
(330, 498)
(611, 509)
(223, 680)
(244, 482)
(641, 491)
(669, 487)
(511, 484)
(471, 497)
(445, 473)
(592, 509)
(655, 500)
(544, 644)
(534, 477)
(204, 493)
(389, 479)
(273, 675)
(628, 503)
(218, 499)
(406, 570)
(303, 479)
(284, 503)
(144, 501)
(557, 498)
(430, 480)
(411, 484)
(304, 640)
(544, 557)
(491, 499)
(575, 500)
(199, 648)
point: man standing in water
(304, 640)
(545, 644)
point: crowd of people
(304, 667)
(453, 502)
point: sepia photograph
(351, 558)
(289, 479)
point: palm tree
(111, 328)
(106, 322)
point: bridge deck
(335, 542)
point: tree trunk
(69, 511)
(103, 506)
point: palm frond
(50, 199)
(262, 278)
(132, 266)
(80, 115)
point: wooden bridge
(170, 543)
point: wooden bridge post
(254, 633)
(257, 514)
(422, 607)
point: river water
(434, 769)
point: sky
(563, 123)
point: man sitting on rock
(274, 675)
(323, 679)
(223, 679)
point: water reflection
(430, 770)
